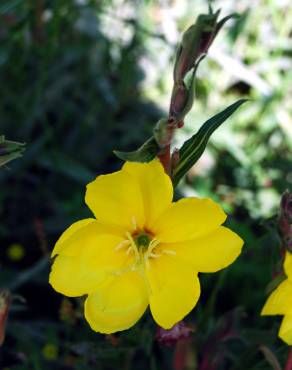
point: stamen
(169, 251)
(133, 245)
(122, 244)
(152, 245)
(150, 253)
(129, 250)
(155, 255)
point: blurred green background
(80, 78)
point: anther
(155, 255)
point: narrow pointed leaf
(193, 148)
(224, 20)
(145, 153)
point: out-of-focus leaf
(66, 166)
(145, 153)
(10, 150)
(193, 148)
(270, 357)
(7, 6)
(28, 274)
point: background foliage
(80, 78)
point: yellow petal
(101, 252)
(288, 265)
(175, 290)
(285, 332)
(71, 278)
(210, 253)
(155, 186)
(118, 304)
(116, 199)
(280, 301)
(187, 219)
(91, 237)
(86, 259)
(69, 232)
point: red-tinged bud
(179, 99)
(196, 41)
(5, 299)
(285, 220)
(172, 336)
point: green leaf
(145, 153)
(9, 150)
(193, 148)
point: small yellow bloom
(280, 302)
(50, 351)
(141, 249)
(15, 252)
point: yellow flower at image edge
(280, 302)
(140, 249)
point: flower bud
(179, 99)
(172, 336)
(163, 131)
(196, 42)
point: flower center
(142, 241)
(143, 246)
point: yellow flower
(280, 302)
(141, 249)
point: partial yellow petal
(86, 259)
(93, 237)
(69, 232)
(72, 278)
(187, 219)
(116, 199)
(209, 253)
(175, 290)
(118, 304)
(285, 332)
(280, 301)
(155, 186)
(288, 265)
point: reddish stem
(165, 155)
(164, 158)
(288, 365)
